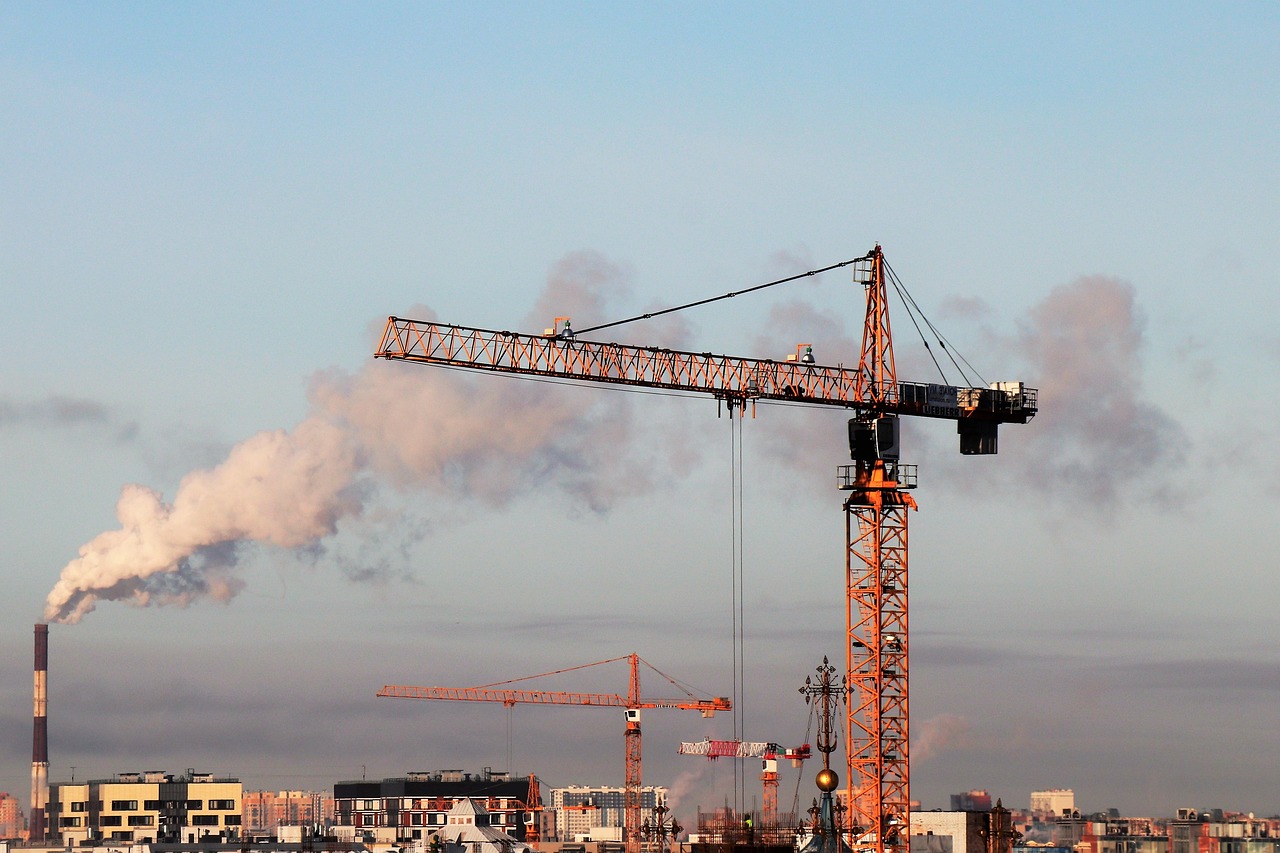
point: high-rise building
(267, 811)
(581, 810)
(11, 822)
(971, 801)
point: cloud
(65, 412)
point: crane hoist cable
(737, 599)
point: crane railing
(725, 377)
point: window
(124, 805)
(232, 820)
(79, 807)
(204, 820)
(140, 820)
(69, 821)
(221, 805)
(151, 805)
(195, 805)
(109, 820)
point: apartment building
(12, 825)
(145, 807)
(582, 812)
(267, 811)
(413, 807)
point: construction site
(871, 691)
(858, 708)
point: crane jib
(725, 377)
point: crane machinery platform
(632, 703)
(878, 484)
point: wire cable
(951, 352)
(728, 295)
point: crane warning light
(803, 357)
(557, 331)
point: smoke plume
(939, 734)
(1096, 433)
(405, 426)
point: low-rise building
(416, 806)
(145, 807)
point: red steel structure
(876, 658)
(768, 753)
(633, 702)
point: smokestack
(40, 739)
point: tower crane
(633, 703)
(877, 483)
(768, 753)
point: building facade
(416, 806)
(12, 824)
(971, 801)
(953, 831)
(1053, 803)
(581, 812)
(145, 807)
(267, 811)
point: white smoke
(483, 437)
(283, 488)
(1096, 433)
(939, 734)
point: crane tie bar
(728, 295)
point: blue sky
(208, 210)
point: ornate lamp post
(659, 827)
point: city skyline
(211, 210)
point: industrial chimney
(40, 740)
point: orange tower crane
(876, 659)
(767, 752)
(633, 702)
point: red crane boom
(876, 658)
(633, 702)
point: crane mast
(633, 702)
(877, 483)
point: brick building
(415, 806)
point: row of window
(158, 805)
(147, 820)
(134, 820)
(420, 819)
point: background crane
(768, 753)
(876, 644)
(633, 702)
